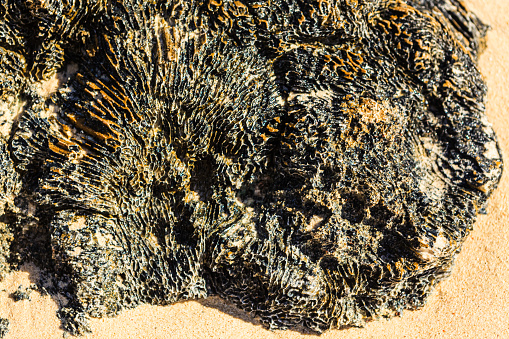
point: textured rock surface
(318, 163)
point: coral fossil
(317, 163)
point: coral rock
(317, 163)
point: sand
(472, 303)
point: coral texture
(319, 163)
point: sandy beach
(472, 303)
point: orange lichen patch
(373, 112)
(373, 116)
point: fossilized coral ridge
(317, 163)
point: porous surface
(318, 163)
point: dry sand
(472, 303)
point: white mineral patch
(491, 150)
(430, 145)
(433, 186)
(323, 94)
(76, 251)
(51, 112)
(440, 243)
(48, 87)
(10, 110)
(102, 240)
(314, 222)
(77, 224)
(428, 253)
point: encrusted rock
(317, 163)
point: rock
(317, 163)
